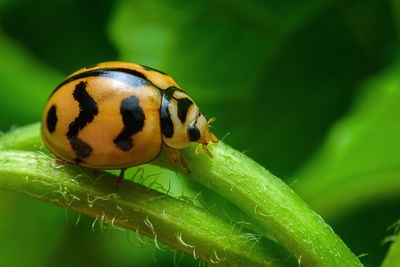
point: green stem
(165, 219)
(269, 201)
(392, 259)
(265, 198)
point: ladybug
(117, 115)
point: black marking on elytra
(52, 119)
(148, 68)
(88, 110)
(133, 118)
(129, 76)
(183, 108)
(194, 133)
(167, 127)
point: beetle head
(200, 132)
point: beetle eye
(194, 133)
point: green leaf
(25, 84)
(259, 67)
(265, 198)
(175, 33)
(359, 162)
(18, 211)
(392, 258)
(186, 41)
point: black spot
(167, 127)
(52, 119)
(183, 107)
(148, 68)
(88, 110)
(129, 76)
(194, 133)
(133, 119)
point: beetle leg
(58, 163)
(214, 139)
(120, 178)
(197, 148)
(174, 155)
(206, 150)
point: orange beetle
(116, 115)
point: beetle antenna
(210, 121)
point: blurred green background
(309, 89)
